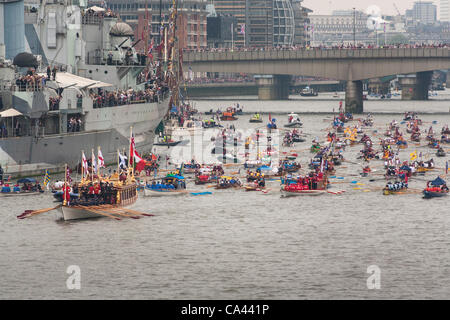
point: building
(444, 9)
(219, 30)
(236, 9)
(191, 20)
(423, 12)
(340, 27)
(301, 21)
(12, 27)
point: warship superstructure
(46, 120)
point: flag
(242, 29)
(94, 163)
(46, 178)
(100, 159)
(68, 178)
(84, 163)
(270, 117)
(139, 161)
(413, 155)
(132, 148)
(122, 161)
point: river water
(247, 245)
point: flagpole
(65, 185)
(92, 165)
(129, 148)
(118, 163)
(82, 167)
(98, 162)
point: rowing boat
(296, 193)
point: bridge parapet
(378, 53)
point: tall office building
(12, 27)
(444, 8)
(238, 10)
(191, 22)
(423, 12)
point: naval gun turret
(123, 51)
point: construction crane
(398, 11)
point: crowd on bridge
(321, 47)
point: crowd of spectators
(321, 47)
(53, 103)
(31, 81)
(237, 78)
(90, 14)
(151, 94)
(74, 124)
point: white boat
(285, 193)
(293, 121)
(164, 193)
(75, 213)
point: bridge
(351, 65)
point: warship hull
(107, 128)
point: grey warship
(96, 94)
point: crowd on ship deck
(105, 98)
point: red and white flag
(94, 163)
(100, 159)
(84, 163)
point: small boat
(171, 185)
(440, 152)
(315, 148)
(308, 92)
(395, 188)
(256, 118)
(436, 188)
(30, 187)
(18, 193)
(285, 193)
(228, 116)
(166, 142)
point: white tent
(65, 79)
(96, 9)
(10, 113)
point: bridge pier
(273, 87)
(416, 88)
(354, 96)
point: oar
(30, 213)
(136, 212)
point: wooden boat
(253, 187)
(435, 188)
(434, 194)
(178, 183)
(440, 153)
(164, 192)
(285, 193)
(228, 116)
(125, 195)
(21, 193)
